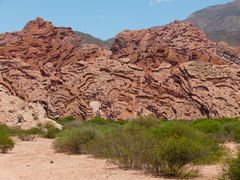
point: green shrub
(123, 147)
(208, 126)
(170, 156)
(158, 147)
(50, 131)
(66, 121)
(6, 143)
(164, 150)
(34, 131)
(4, 130)
(236, 134)
(26, 135)
(230, 131)
(222, 129)
(145, 121)
(72, 140)
(101, 125)
(180, 144)
(176, 129)
(231, 170)
(210, 151)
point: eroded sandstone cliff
(173, 72)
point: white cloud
(155, 2)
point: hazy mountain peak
(221, 22)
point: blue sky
(101, 18)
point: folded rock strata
(172, 72)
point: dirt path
(32, 161)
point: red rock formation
(173, 72)
(40, 43)
(175, 43)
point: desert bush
(23, 133)
(158, 147)
(34, 131)
(101, 125)
(164, 150)
(170, 157)
(6, 143)
(72, 140)
(222, 129)
(180, 144)
(236, 134)
(66, 121)
(176, 129)
(231, 170)
(123, 147)
(4, 130)
(50, 131)
(208, 126)
(209, 150)
(26, 137)
(145, 121)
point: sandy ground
(32, 161)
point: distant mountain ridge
(89, 39)
(220, 22)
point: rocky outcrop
(172, 72)
(175, 43)
(116, 89)
(18, 113)
(40, 43)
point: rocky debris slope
(18, 113)
(221, 22)
(173, 72)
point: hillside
(89, 39)
(221, 22)
(172, 72)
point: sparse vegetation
(231, 170)
(6, 143)
(222, 129)
(162, 148)
(49, 131)
(72, 140)
(26, 135)
(66, 121)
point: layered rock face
(175, 43)
(18, 113)
(40, 43)
(172, 72)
